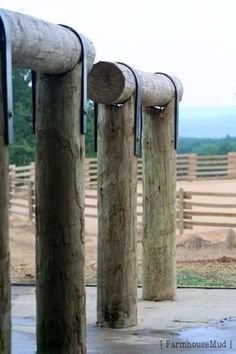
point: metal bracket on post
(6, 64)
(84, 84)
(176, 108)
(138, 124)
(33, 81)
(95, 114)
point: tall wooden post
(114, 83)
(231, 168)
(60, 215)
(5, 286)
(159, 199)
(53, 51)
(117, 182)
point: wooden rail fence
(194, 209)
(189, 167)
(205, 209)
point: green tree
(22, 151)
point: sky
(194, 40)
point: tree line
(22, 151)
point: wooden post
(60, 215)
(159, 199)
(231, 170)
(30, 205)
(181, 211)
(12, 177)
(32, 172)
(54, 51)
(5, 285)
(117, 182)
(43, 46)
(192, 166)
(112, 83)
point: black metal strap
(176, 108)
(34, 82)
(84, 84)
(95, 114)
(137, 113)
(6, 61)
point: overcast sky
(192, 39)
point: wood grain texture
(44, 47)
(111, 83)
(60, 216)
(5, 286)
(117, 183)
(159, 215)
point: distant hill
(207, 122)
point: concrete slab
(204, 318)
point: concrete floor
(206, 316)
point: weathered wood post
(159, 205)
(181, 211)
(111, 84)
(5, 285)
(117, 182)
(192, 166)
(231, 165)
(54, 53)
(60, 215)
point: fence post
(117, 182)
(32, 171)
(60, 215)
(5, 285)
(159, 205)
(30, 192)
(231, 168)
(181, 211)
(192, 166)
(12, 177)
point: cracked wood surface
(159, 198)
(117, 183)
(60, 216)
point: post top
(113, 83)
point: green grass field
(220, 273)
